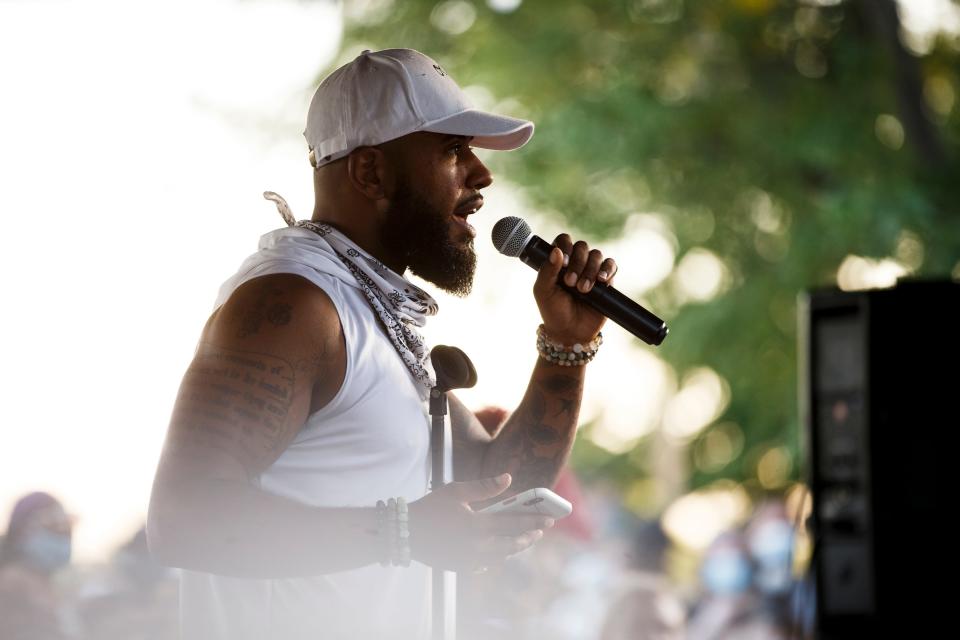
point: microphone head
(511, 235)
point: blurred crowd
(600, 574)
(44, 596)
(614, 577)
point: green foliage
(751, 123)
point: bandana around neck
(400, 305)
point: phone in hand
(539, 501)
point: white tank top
(369, 443)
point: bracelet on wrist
(393, 528)
(566, 356)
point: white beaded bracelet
(575, 356)
(393, 526)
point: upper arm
(470, 439)
(265, 358)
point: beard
(420, 233)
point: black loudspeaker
(880, 393)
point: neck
(364, 237)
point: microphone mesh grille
(510, 235)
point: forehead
(52, 517)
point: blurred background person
(647, 607)
(36, 547)
(746, 578)
(770, 539)
(135, 598)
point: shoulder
(284, 315)
(270, 304)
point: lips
(469, 207)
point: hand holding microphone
(512, 237)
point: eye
(456, 148)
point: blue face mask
(46, 550)
(772, 550)
(726, 572)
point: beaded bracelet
(393, 527)
(383, 533)
(575, 356)
(403, 534)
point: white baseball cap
(383, 95)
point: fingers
(549, 272)
(584, 266)
(482, 489)
(500, 547)
(502, 524)
(608, 269)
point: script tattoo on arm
(234, 402)
(535, 443)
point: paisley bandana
(400, 305)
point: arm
(266, 359)
(273, 354)
(535, 442)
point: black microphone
(512, 237)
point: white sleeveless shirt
(369, 443)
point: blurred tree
(777, 137)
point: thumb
(549, 270)
(473, 490)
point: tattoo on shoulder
(234, 401)
(266, 308)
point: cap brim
(488, 130)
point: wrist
(566, 337)
(574, 354)
(394, 532)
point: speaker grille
(510, 235)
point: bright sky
(136, 140)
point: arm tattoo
(235, 402)
(534, 444)
(266, 308)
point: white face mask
(46, 550)
(772, 549)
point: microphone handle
(605, 299)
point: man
(304, 409)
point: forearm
(230, 528)
(536, 441)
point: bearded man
(300, 433)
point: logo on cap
(439, 70)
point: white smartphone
(539, 501)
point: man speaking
(293, 484)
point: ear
(368, 170)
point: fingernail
(553, 257)
(570, 279)
(566, 259)
(602, 275)
(584, 285)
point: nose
(479, 176)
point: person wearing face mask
(730, 606)
(37, 545)
(770, 540)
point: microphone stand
(453, 371)
(438, 413)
